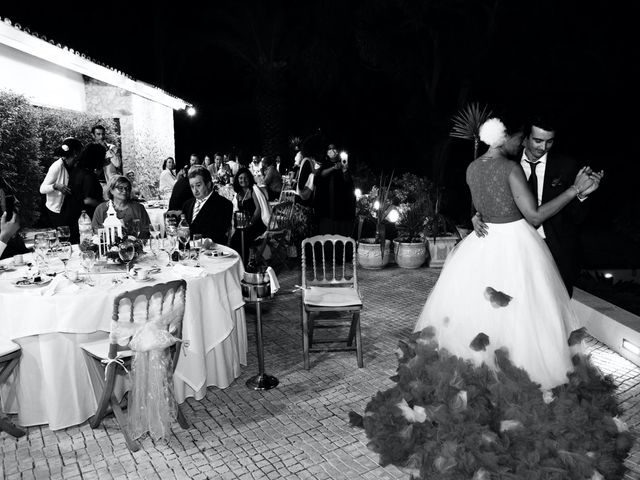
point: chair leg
(133, 445)
(305, 338)
(105, 398)
(8, 426)
(358, 340)
(182, 420)
(352, 329)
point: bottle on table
(184, 232)
(86, 232)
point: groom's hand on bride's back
(479, 226)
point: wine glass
(64, 234)
(183, 238)
(135, 227)
(196, 243)
(52, 237)
(87, 260)
(126, 252)
(41, 245)
(64, 252)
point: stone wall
(146, 129)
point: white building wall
(43, 83)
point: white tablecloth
(52, 383)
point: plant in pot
(410, 246)
(373, 252)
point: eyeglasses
(123, 188)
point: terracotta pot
(410, 255)
(369, 256)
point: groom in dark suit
(208, 213)
(548, 175)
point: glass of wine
(126, 252)
(64, 252)
(52, 237)
(183, 238)
(87, 260)
(64, 234)
(196, 244)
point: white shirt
(541, 168)
(57, 173)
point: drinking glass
(155, 230)
(168, 245)
(52, 237)
(135, 227)
(64, 234)
(41, 246)
(196, 243)
(64, 252)
(126, 252)
(183, 238)
(87, 260)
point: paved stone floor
(299, 430)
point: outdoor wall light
(358, 193)
(608, 275)
(393, 216)
(191, 111)
(376, 205)
(630, 347)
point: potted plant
(410, 247)
(373, 252)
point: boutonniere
(556, 182)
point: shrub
(19, 149)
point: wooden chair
(10, 353)
(287, 195)
(106, 359)
(278, 235)
(330, 284)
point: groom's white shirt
(540, 171)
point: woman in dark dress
(251, 200)
(86, 191)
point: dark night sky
(370, 99)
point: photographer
(335, 201)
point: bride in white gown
(504, 290)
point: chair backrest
(332, 261)
(281, 214)
(287, 195)
(162, 304)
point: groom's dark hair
(544, 121)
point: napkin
(275, 285)
(188, 271)
(60, 284)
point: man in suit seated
(207, 213)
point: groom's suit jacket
(213, 220)
(562, 230)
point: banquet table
(52, 384)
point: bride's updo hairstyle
(496, 130)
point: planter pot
(369, 256)
(410, 255)
(439, 248)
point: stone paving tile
(299, 430)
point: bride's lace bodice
(488, 180)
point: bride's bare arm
(527, 205)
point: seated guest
(251, 200)
(136, 191)
(208, 213)
(272, 178)
(127, 210)
(86, 191)
(167, 177)
(181, 190)
(55, 183)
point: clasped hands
(587, 181)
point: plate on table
(144, 280)
(38, 281)
(218, 254)
(6, 268)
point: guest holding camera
(334, 201)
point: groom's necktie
(533, 180)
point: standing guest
(56, 183)
(181, 190)
(548, 175)
(334, 201)
(272, 178)
(251, 200)
(167, 176)
(86, 191)
(127, 209)
(112, 162)
(208, 213)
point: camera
(344, 157)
